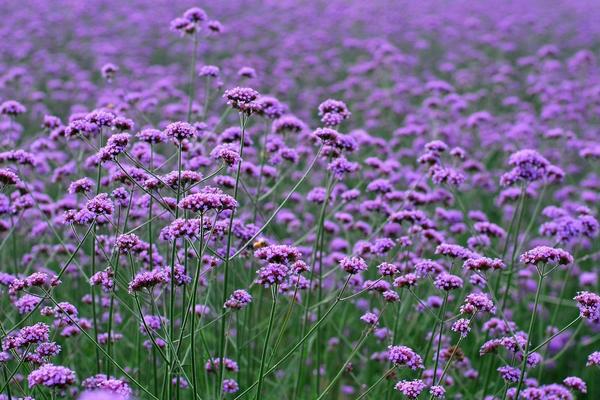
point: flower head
(53, 376)
(353, 265)
(546, 255)
(403, 355)
(411, 389)
(242, 99)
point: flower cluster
(52, 376)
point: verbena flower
(353, 265)
(52, 376)
(411, 389)
(242, 99)
(589, 305)
(179, 131)
(402, 355)
(238, 300)
(546, 255)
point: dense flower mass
(353, 265)
(328, 199)
(402, 355)
(546, 255)
(53, 376)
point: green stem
(545, 342)
(366, 392)
(192, 77)
(300, 342)
(529, 331)
(439, 344)
(449, 362)
(354, 351)
(169, 369)
(228, 257)
(266, 344)
(192, 311)
(514, 251)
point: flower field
(321, 200)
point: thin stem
(172, 356)
(192, 311)
(300, 342)
(370, 388)
(268, 221)
(228, 257)
(449, 362)
(530, 330)
(266, 344)
(545, 342)
(192, 88)
(514, 251)
(439, 344)
(350, 357)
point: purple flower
(53, 376)
(8, 177)
(454, 251)
(333, 112)
(391, 296)
(27, 303)
(186, 228)
(370, 318)
(208, 199)
(528, 166)
(272, 274)
(100, 205)
(209, 71)
(483, 264)
(327, 135)
(126, 242)
(230, 386)
(271, 108)
(195, 14)
(28, 335)
(476, 302)
(109, 71)
(406, 280)
(179, 131)
(411, 389)
(12, 108)
(446, 281)
(283, 254)
(227, 152)
(489, 229)
(151, 136)
(437, 392)
(353, 265)
(287, 123)
(387, 269)
(82, 185)
(101, 383)
(589, 305)
(148, 279)
(341, 167)
(238, 300)
(546, 255)
(104, 279)
(214, 364)
(242, 99)
(462, 326)
(440, 175)
(402, 355)
(593, 359)
(509, 374)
